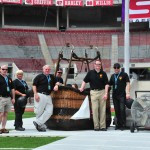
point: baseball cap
(116, 65)
(60, 70)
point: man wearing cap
(7, 97)
(98, 81)
(59, 79)
(121, 91)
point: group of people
(45, 83)
(99, 86)
(10, 91)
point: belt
(97, 89)
(4, 96)
(44, 93)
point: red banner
(73, 2)
(139, 10)
(59, 3)
(99, 2)
(12, 1)
(39, 2)
(69, 2)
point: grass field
(11, 115)
(27, 143)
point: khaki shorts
(5, 104)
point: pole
(68, 67)
(126, 38)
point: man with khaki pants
(98, 81)
(7, 97)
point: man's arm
(106, 92)
(34, 89)
(106, 89)
(13, 96)
(82, 86)
(128, 90)
(37, 98)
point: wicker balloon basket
(67, 101)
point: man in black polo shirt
(98, 81)
(59, 78)
(121, 91)
(43, 84)
(6, 98)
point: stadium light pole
(126, 38)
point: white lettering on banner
(89, 3)
(140, 20)
(42, 2)
(139, 10)
(11, 1)
(102, 3)
(59, 3)
(72, 3)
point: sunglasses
(4, 69)
(116, 67)
(97, 64)
(59, 72)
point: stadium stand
(25, 47)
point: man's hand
(37, 98)
(81, 89)
(13, 101)
(127, 95)
(105, 96)
(56, 88)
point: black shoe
(36, 125)
(96, 129)
(117, 127)
(103, 129)
(19, 129)
(42, 130)
(122, 128)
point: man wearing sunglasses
(7, 96)
(98, 81)
(121, 91)
(59, 78)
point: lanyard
(116, 78)
(48, 79)
(23, 83)
(6, 79)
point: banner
(99, 2)
(12, 1)
(39, 2)
(69, 2)
(139, 11)
(123, 11)
(59, 3)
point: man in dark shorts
(7, 97)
